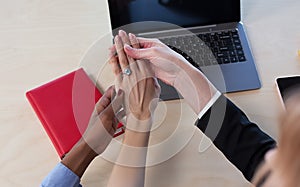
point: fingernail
(130, 36)
(121, 32)
(127, 46)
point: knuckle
(116, 71)
(136, 52)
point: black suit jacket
(240, 140)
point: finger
(145, 53)
(105, 100)
(124, 37)
(126, 41)
(120, 115)
(121, 54)
(116, 69)
(113, 51)
(149, 42)
(133, 40)
(117, 103)
(118, 82)
(113, 61)
(112, 111)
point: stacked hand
(98, 135)
(175, 70)
(141, 92)
(166, 63)
(136, 79)
(103, 122)
(135, 63)
(136, 98)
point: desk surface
(41, 40)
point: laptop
(228, 63)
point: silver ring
(127, 71)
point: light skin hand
(175, 70)
(165, 62)
(141, 96)
(140, 87)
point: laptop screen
(184, 13)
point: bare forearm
(132, 161)
(79, 158)
(194, 87)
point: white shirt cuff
(209, 104)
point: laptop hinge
(176, 30)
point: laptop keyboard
(207, 49)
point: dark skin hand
(98, 134)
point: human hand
(97, 136)
(166, 63)
(103, 122)
(175, 70)
(141, 92)
(141, 89)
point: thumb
(144, 53)
(117, 105)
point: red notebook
(64, 107)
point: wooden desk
(41, 40)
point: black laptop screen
(184, 13)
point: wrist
(135, 138)
(141, 115)
(89, 152)
(137, 124)
(195, 88)
(78, 159)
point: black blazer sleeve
(240, 140)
